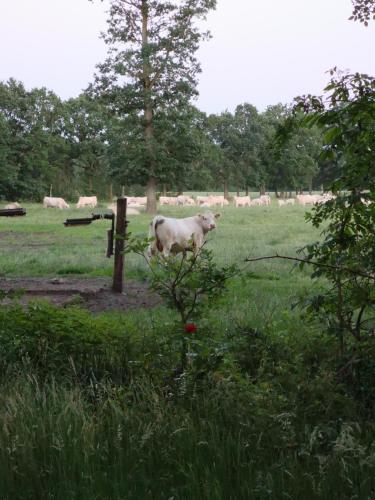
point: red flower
(190, 328)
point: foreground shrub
(55, 341)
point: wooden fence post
(118, 271)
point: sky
(261, 52)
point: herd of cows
(171, 235)
(137, 202)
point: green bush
(56, 341)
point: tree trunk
(276, 192)
(151, 195)
(238, 191)
(164, 192)
(226, 193)
(148, 115)
(247, 190)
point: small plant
(188, 282)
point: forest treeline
(87, 145)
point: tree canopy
(149, 78)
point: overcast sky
(262, 51)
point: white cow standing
(266, 199)
(87, 201)
(174, 235)
(241, 201)
(168, 200)
(136, 201)
(185, 200)
(52, 202)
(307, 199)
(211, 201)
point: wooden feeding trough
(118, 252)
(85, 221)
(12, 212)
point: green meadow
(40, 245)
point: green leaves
(148, 80)
(189, 283)
(363, 11)
(346, 255)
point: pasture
(39, 245)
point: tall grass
(136, 444)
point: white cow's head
(208, 221)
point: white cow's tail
(156, 221)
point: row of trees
(136, 124)
(81, 146)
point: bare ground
(94, 294)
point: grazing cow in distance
(211, 201)
(52, 202)
(363, 200)
(175, 235)
(129, 210)
(136, 201)
(218, 200)
(266, 199)
(168, 200)
(185, 200)
(12, 205)
(87, 201)
(202, 199)
(241, 201)
(256, 202)
(324, 198)
(287, 201)
(307, 199)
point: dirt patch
(94, 294)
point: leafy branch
(314, 263)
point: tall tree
(151, 68)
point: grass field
(40, 245)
